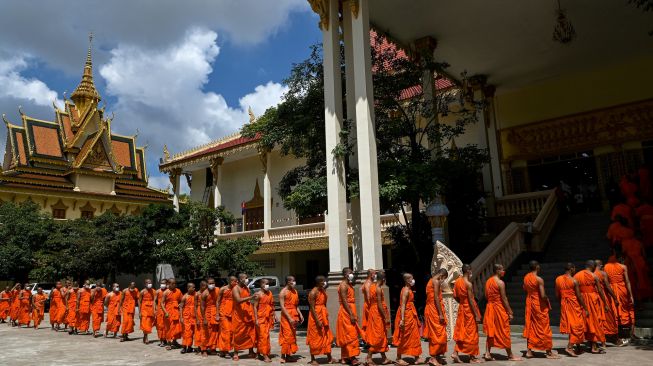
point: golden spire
(85, 91)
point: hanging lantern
(563, 31)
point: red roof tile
(122, 152)
(46, 140)
(20, 146)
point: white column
(354, 202)
(175, 180)
(216, 170)
(336, 188)
(493, 146)
(267, 196)
(366, 140)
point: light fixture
(563, 31)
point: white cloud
(16, 86)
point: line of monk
(595, 303)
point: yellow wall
(574, 93)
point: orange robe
(375, 334)
(319, 339)
(244, 330)
(97, 308)
(407, 340)
(624, 211)
(617, 275)
(84, 313)
(368, 301)
(346, 332)
(586, 282)
(160, 318)
(38, 312)
(638, 269)
(609, 323)
(5, 304)
(629, 191)
(57, 307)
(265, 316)
(645, 215)
(188, 314)
(211, 330)
(465, 334)
(24, 314)
(537, 329)
(128, 309)
(225, 337)
(572, 320)
(71, 315)
(64, 291)
(496, 323)
(113, 313)
(434, 331)
(14, 307)
(199, 322)
(287, 332)
(617, 233)
(147, 311)
(172, 324)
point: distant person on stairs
(619, 230)
(618, 275)
(537, 329)
(572, 309)
(638, 268)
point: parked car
(275, 287)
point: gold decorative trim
(257, 200)
(321, 8)
(354, 6)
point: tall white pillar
(216, 170)
(366, 139)
(336, 184)
(267, 194)
(354, 202)
(175, 180)
(493, 143)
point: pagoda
(75, 166)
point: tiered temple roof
(49, 154)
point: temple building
(74, 167)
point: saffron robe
(172, 322)
(287, 332)
(465, 334)
(346, 332)
(319, 339)
(375, 334)
(97, 308)
(244, 330)
(147, 311)
(537, 329)
(624, 211)
(617, 233)
(212, 329)
(14, 307)
(160, 318)
(407, 340)
(638, 269)
(265, 314)
(188, 314)
(84, 313)
(368, 301)
(434, 331)
(572, 320)
(625, 311)
(225, 337)
(609, 322)
(71, 315)
(57, 307)
(496, 323)
(38, 311)
(113, 312)
(199, 322)
(586, 282)
(24, 313)
(128, 308)
(5, 303)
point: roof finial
(85, 91)
(252, 117)
(89, 60)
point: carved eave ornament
(321, 8)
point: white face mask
(116, 289)
(163, 286)
(350, 277)
(211, 286)
(292, 283)
(412, 282)
(244, 281)
(266, 287)
(374, 278)
(325, 284)
(86, 286)
(149, 285)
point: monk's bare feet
(570, 352)
(235, 358)
(419, 361)
(314, 363)
(401, 362)
(552, 356)
(433, 361)
(473, 359)
(488, 356)
(515, 358)
(529, 354)
(266, 358)
(369, 361)
(455, 358)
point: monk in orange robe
(406, 335)
(38, 307)
(5, 300)
(264, 319)
(625, 308)
(210, 328)
(57, 307)
(378, 322)
(347, 329)
(498, 314)
(84, 308)
(200, 329)
(244, 329)
(24, 312)
(171, 298)
(64, 292)
(291, 317)
(435, 319)
(225, 316)
(619, 230)
(537, 329)
(645, 216)
(146, 309)
(97, 307)
(368, 302)
(465, 333)
(590, 290)
(71, 307)
(629, 191)
(112, 302)
(188, 318)
(572, 309)
(318, 333)
(638, 268)
(624, 211)
(158, 311)
(128, 302)
(609, 322)
(14, 307)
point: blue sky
(182, 73)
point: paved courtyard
(45, 347)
